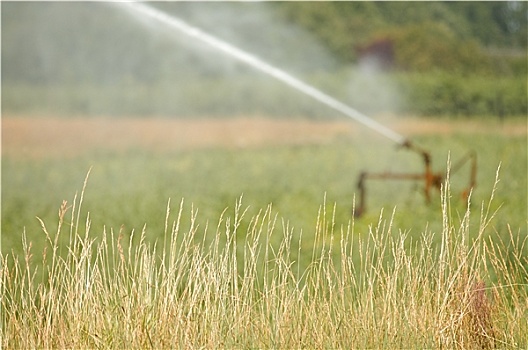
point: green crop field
(253, 244)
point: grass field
(294, 270)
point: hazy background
(421, 58)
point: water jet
(431, 180)
(263, 66)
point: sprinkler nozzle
(406, 144)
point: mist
(96, 59)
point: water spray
(431, 180)
(270, 70)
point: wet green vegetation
(263, 251)
(131, 188)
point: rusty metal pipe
(431, 179)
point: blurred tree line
(464, 36)
(450, 58)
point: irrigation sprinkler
(432, 180)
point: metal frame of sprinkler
(431, 179)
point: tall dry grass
(380, 289)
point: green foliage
(443, 94)
(494, 24)
(430, 93)
(132, 188)
(340, 25)
(432, 46)
(213, 97)
(426, 35)
(345, 25)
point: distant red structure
(379, 52)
